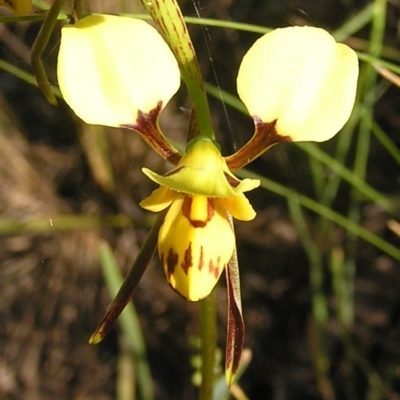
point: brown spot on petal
(215, 268)
(187, 259)
(201, 260)
(171, 262)
(187, 208)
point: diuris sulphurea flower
(196, 240)
(297, 83)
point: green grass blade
(316, 152)
(386, 142)
(354, 24)
(325, 212)
(129, 322)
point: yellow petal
(110, 67)
(239, 207)
(18, 7)
(159, 200)
(195, 244)
(202, 170)
(302, 78)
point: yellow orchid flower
(18, 7)
(196, 240)
(297, 83)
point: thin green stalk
(39, 47)
(377, 60)
(354, 180)
(167, 15)
(354, 24)
(386, 142)
(334, 164)
(318, 335)
(344, 302)
(208, 334)
(367, 102)
(129, 322)
(25, 76)
(94, 142)
(217, 23)
(326, 212)
(342, 150)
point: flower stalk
(168, 16)
(208, 335)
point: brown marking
(173, 172)
(210, 208)
(233, 182)
(171, 262)
(187, 208)
(235, 329)
(215, 268)
(187, 259)
(265, 136)
(147, 126)
(201, 260)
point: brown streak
(147, 126)
(173, 172)
(201, 260)
(235, 331)
(187, 259)
(233, 182)
(210, 208)
(215, 269)
(171, 261)
(265, 136)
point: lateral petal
(111, 67)
(301, 78)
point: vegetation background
(321, 305)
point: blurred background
(321, 305)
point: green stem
(39, 47)
(208, 334)
(167, 15)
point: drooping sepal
(130, 283)
(235, 325)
